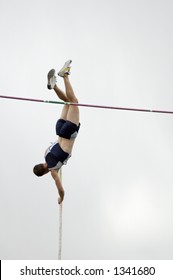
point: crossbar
(88, 105)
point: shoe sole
(65, 69)
(49, 76)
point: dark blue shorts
(55, 157)
(67, 129)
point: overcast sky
(119, 182)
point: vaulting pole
(60, 223)
(89, 105)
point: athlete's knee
(74, 100)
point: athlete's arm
(59, 186)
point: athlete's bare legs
(73, 110)
(69, 112)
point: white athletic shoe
(51, 79)
(65, 69)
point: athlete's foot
(51, 79)
(65, 70)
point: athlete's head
(40, 169)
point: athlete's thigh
(64, 112)
(73, 114)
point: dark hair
(39, 169)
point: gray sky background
(118, 183)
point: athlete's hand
(61, 196)
(60, 199)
